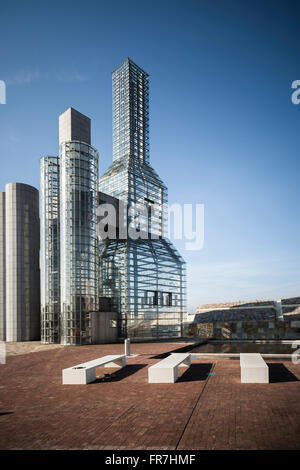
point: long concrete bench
(86, 372)
(166, 371)
(253, 369)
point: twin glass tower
(142, 277)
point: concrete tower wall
(74, 125)
(2, 269)
(22, 263)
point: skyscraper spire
(130, 111)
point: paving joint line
(194, 407)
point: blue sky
(223, 129)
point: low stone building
(259, 320)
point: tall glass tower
(144, 277)
(78, 240)
(49, 256)
(69, 191)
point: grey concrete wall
(74, 125)
(2, 269)
(102, 330)
(22, 263)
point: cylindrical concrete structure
(22, 263)
(2, 269)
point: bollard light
(127, 347)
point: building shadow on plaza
(185, 349)
(121, 374)
(278, 372)
(195, 373)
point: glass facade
(144, 277)
(137, 185)
(49, 255)
(130, 111)
(78, 240)
(146, 282)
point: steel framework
(145, 277)
(78, 240)
(130, 111)
(49, 257)
(146, 281)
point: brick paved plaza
(208, 408)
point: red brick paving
(200, 411)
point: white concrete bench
(253, 369)
(166, 371)
(86, 372)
